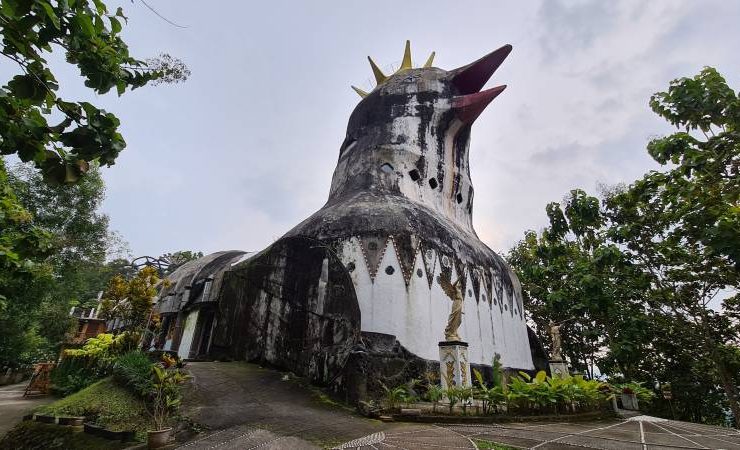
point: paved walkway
(247, 407)
(232, 395)
(13, 406)
(643, 433)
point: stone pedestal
(559, 368)
(453, 364)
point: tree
(130, 300)
(650, 262)
(177, 259)
(90, 38)
(572, 273)
(23, 276)
(59, 137)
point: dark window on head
(433, 183)
(415, 175)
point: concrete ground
(13, 406)
(247, 407)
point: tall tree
(683, 225)
(60, 137)
(646, 271)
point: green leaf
(115, 25)
(50, 14)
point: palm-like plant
(491, 397)
(165, 394)
(434, 395)
(393, 397)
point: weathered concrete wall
(292, 306)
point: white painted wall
(188, 333)
(417, 314)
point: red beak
(469, 107)
(473, 77)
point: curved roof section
(193, 273)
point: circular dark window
(372, 246)
(419, 273)
(389, 270)
(350, 266)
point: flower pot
(629, 401)
(93, 430)
(126, 436)
(71, 421)
(45, 419)
(158, 439)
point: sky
(245, 149)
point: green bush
(72, 375)
(134, 370)
(555, 394)
(103, 349)
(95, 360)
(492, 398)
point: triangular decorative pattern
(404, 245)
(373, 249)
(429, 256)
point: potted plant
(165, 399)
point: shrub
(492, 398)
(134, 370)
(165, 395)
(393, 397)
(81, 367)
(72, 375)
(434, 395)
(104, 348)
(543, 393)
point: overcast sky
(245, 149)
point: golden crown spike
(380, 77)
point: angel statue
(557, 341)
(454, 291)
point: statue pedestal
(559, 368)
(453, 364)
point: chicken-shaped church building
(353, 294)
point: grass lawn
(488, 445)
(113, 406)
